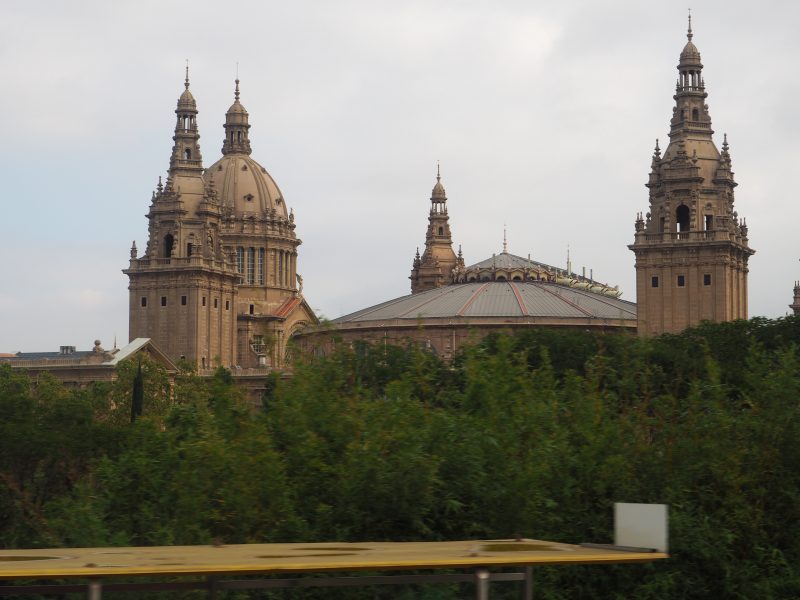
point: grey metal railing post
(482, 584)
(95, 590)
(527, 584)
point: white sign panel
(641, 526)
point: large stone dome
(246, 186)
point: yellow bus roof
(301, 558)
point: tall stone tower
(183, 289)
(434, 269)
(691, 248)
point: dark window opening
(238, 136)
(188, 249)
(695, 114)
(682, 217)
(163, 300)
(501, 278)
(183, 300)
(204, 300)
(252, 309)
(517, 278)
(683, 114)
(681, 280)
(144, 301)
(441, 230)
(654, 282)
(709, 222)
(188, 154)
(215, 303)
(169, 241)
(707, 279)
(227, 304)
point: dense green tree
(535, 434)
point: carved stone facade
(438, 265)
(795, 306)
(217, 284)
(691, 248)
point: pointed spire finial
(505, 240)
(236, 93)
(186, 81)
(689, 34)
(438, 172)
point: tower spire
(186, 157)
(505, 240)
(237, 125)
(689, 33)
(438, 260)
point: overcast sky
(543, 114)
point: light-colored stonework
(436, 265)
(80, 368)
(218, 283)
(691, 247)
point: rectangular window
(251, 259)
(144, 301)
(163, 300)
(240, 260)
(261, 256)
(707, 279)
(215, 303)
(709, 222)
(252, 309)
(183, 300)
(681, 280)
(227, 305)
(654, 281)
(204, 300)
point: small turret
(186, 157)
(795, 306)
(236, 127)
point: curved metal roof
(498, 299)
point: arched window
(695, 114)
(239, 136)
(441, 230)
(188, 154)
(682, 218)
(169, 242)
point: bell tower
(433, 269)
(183, 289)
(691, 247)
